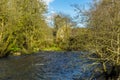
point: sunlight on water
(44, 66)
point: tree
(78, 39)
(30, 23)
(103, 22)
(23, 26)
(4, 19)
(62, 29)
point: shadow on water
(44, 66)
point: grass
(52, 49)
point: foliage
(23, 27)
(103, 22)
(62, 30)
(78, 39)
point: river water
(45, 66)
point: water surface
(45, 66)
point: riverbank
(18, 52)
(52, 49)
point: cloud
(51, 12)
(49, 17)
(48, 1)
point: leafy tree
(78, 39)
(4, 38)
(62, 29)
(103, 22)
(23, 26)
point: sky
(64, 6)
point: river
(45, 66)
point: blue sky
(64, 6)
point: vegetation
(103, 24)
(23, 29)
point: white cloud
(51, 12)
(49, 17)
(48, 1)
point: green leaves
(22, 25)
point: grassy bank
(52, 49)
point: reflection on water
(44, 66)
